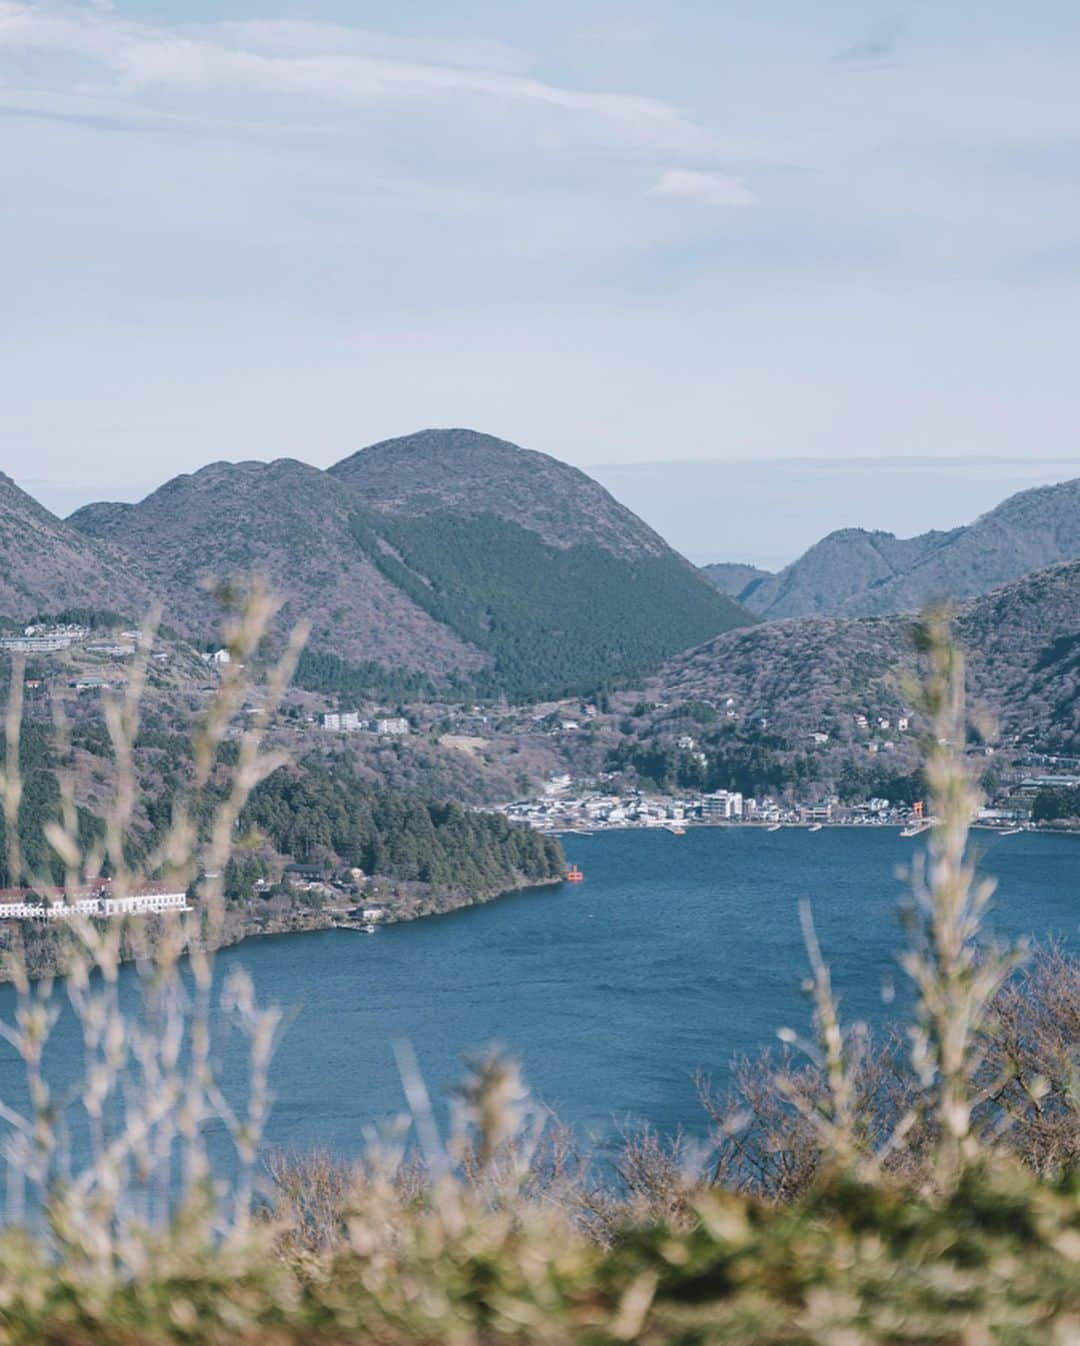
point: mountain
(802, 675)
(467, 474)
(854, 572)
(733, 578)
(296, 525)
(446, 555)
(529, 560)
(47, 566)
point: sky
(762, 267)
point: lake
(674, 955)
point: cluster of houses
(47, 639)
(881, 724)
(560, 810)
(555, 811)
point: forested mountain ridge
(447, 556)
(46, 565)
(856, 572)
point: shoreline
(699, 825)
(306, 923)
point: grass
(921, 1189)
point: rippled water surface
(672, 956)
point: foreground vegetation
(920, 1190)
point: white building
(91, 684)
(115, 648)
(217, 657)
(137, 904)
(42, 640)
(722, 804)
(347, 721)
(394, 724)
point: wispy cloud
(877, 49)
(325, 62)
(715, 189)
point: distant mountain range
(854, 572)
(443, 557)
(805, 675)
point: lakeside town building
(51, 904)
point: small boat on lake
(915, 829)
(676, 830)
(815, 827)
(774, 827)
(574, 875)
(1010, 831)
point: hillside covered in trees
(1023, 644)
(320, 811)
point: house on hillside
(91, 684)
(113, 648)
(298, 874)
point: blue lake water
(673, 956)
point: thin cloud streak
(320, 64)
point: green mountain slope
(528, 560)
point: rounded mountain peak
(464, 472)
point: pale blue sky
(632, 232)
